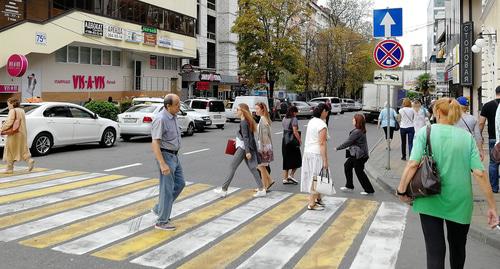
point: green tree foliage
(104, 109)
(423, 82)
(270, 36)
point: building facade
(96, 48)
(416, 56)
(490, 52)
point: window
(168, 63)
(111, 8)
(72, 54)
(84, 55)
(57, 112)
(161, 63)
(78, 113)
(106, 57)
(152, 61)
(96, 56)
(211, 55)
(142, 109)
(116, 58)
(175, 64)
(98, 6)
(198, 105)
(62, 55)
(211, 4)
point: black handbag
(426, 180)
(289, 137)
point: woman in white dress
(315, 156)
(421, 116)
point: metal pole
(388, 137)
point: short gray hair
(169, 99)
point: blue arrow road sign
(388, 22)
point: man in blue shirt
(166, 137)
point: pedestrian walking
(315, 155)
(470, 124)
(407, 129)
(290, 146)
(16, 144)
(246, 149)
(357, 156)
(264, 144)
(455, 154)
(421, 116)
(488, 113)
(166, 142)
(384, 119)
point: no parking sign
(388, 54)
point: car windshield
(27, 109)
(184, 107)
(142, 109)
(335, 100)
(300, 104)
(216, 106)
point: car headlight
(205, 118)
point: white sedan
(137, 121)
(52, 124)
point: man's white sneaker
(345, 189)
(222, 193)
(261, 193)
(364, 193)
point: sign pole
(388, 137)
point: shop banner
(203, 85)
(8, 88)
(164, 42)
(466, 42)
(32, 84)
(133, 36)
(149, 39)
(178, 45)
(17, 65)
(114, 32)
(150, 30)
(93, 28)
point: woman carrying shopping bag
(16, 146)
(357, 156)
(315, 157)
(264, 144)
(246, 149)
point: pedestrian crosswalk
(108, 217)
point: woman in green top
(456, 155)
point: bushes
(125, 104)
(104, 109)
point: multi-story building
(95, 48)
(436, 12)
(416, 56)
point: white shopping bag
(324, 184)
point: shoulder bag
(14, 129)
(290, 139)
(426, 180)
(323, 183)
(231, 147)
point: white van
(251, 101)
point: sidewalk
(389, 180)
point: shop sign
(12, 10)
(88, 82)
(150, 30)
(93, 28)
(210, 77)
(164, 42)
(149, 39)
(41, 38)
(17, 65)
(203, 85)
(133, 36)
(187, 68)
(7, 88)
(466, 42)
(178, 45)
(114, 32)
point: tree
(270, 38)
(423, 82)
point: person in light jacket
(264, 144)
(16, 146)
(357, 156)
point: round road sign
(388, 54)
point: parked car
(54, 124)
(138, 120)
(336, 108)
(305, 110)
(214, 108)
(143, 100)
(201, 119)
(358, 106)
(347, 104)
(251, 101)
(230, 115)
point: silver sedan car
(305, 110)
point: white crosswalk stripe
(31, 175)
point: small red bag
(231, 147)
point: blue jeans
(410, 132)
(171, 186)
(493, 169)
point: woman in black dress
(290, 146)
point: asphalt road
(204, 161)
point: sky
(414, 17)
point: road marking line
(59, 188)
(234, 246)
(90, 225)
(122, 167)
(54, 221)
(58, 197)
(19, 172)
(154, 237)
(37, 213)
(196, 151)
(34, 180)
(331, 248)
(192, 241)
(381, 245)
(107, 236)
(31, 175)
(287, 243)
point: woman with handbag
(290, 147)
(264, 144)
(315, 158)
(357, 156)
(390, 119)
(455, 154)
(16, 146)
(407, 130)
(246, 149)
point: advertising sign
(7, 88)
(17, 65)
(466, 42)
(11, 11)
(41, 38)
(31, 84)
(93, 28)
(149, 39)
(150, 30)
(133, 36)
(210, 77)
(114, 32)
(178, 45)
(164, 42)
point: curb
(481, 235)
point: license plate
(217, 116)
(130, 120)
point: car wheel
(232, 120)
(108, 138)
(220, 126)
(126, 138)
(190, 130)
(42, 144)
(342, 112)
